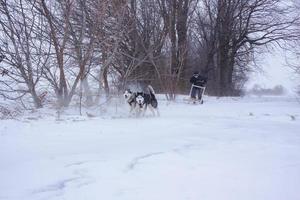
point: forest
(89, 49)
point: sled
(192, 101)
(195, 101)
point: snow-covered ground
(226, 149)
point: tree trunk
(104, 81)
(87, 92)
(37, 101)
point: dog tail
(153, 100)
(151, 90)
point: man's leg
(199, 93)
(193, 93)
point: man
(198, 82)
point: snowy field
(226, 149)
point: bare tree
(24, 50)
(56, 15)
(73, 42)
(239, 28)
(110, 32)
(83, 32)
(141, 43)
(102, 44)
(175, 14)
(293, 49)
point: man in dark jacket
(199, 83)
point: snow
(226, 149)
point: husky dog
(130, 98)
(143, 100)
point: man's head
(196, 74)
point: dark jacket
(198, 80)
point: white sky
(274, 72)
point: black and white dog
(130, 99)
(145, 100)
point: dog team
(139, 102)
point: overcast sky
(275, 72)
